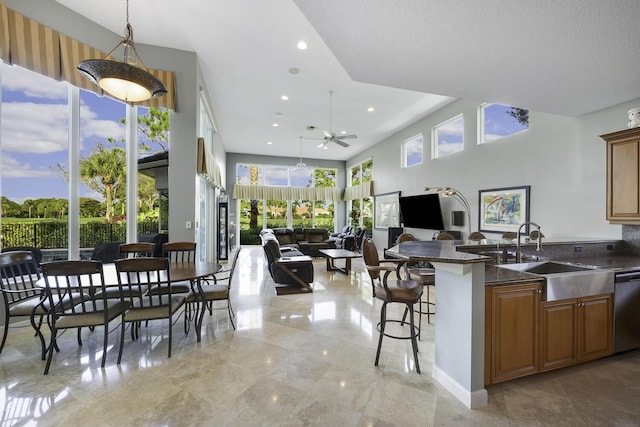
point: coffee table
(333, 254)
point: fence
(54, 234)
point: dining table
(194, 272)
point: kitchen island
(459, 329)
(466, 284)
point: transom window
(499, 121)
(448, 137)
(412, 151)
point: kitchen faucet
(518, 248)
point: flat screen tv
(422, 211)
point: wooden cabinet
(623, 176)
(511, 331)
(575, 330)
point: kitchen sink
(546, 267)
(565, 280)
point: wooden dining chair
(78, 281)
(217, 289)
(20, 294)
(177, 252)
(136, 250)
(180, 251)
(135, 275)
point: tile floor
(294, 360)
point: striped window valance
(208, 166)
(267, 192)
(360, 191)
(38, 48)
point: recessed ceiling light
(302, 45)
(269, 142)
(275, 125)
(371, 109)
(294, 70)
(284, 97)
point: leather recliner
(303, 269)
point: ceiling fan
(331, 136)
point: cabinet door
(595, 318)
(514, 331)
(624, 191)
(558, 333)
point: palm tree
(103, 171)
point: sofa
(273, 252)
(309, 241)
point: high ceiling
(567, 57)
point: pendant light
(301, 164)
(128, 79)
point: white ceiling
(567, 57)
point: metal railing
(54, 234)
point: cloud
(12, 168)
(34, 85)
(28, 127)
(445, 148)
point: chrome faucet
(539, 245)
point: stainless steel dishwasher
(626, 318)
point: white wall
(561, 158)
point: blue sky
(34, 133)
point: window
(448, 137)
(360, 211)
(412, 151)
(497, 121)
(36, 112)
(256, 214)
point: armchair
(303, 269)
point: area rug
(288, 290)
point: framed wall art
(386, 210)
(504, 209)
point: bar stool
(403, 291)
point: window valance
(360, 191)
(267, 192)
(38, 48)
(207, 165)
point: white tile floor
(294, 360)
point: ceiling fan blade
(342, 143)
(352, 136)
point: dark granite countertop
(453, 251)
(435, 251)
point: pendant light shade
(128, 79)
